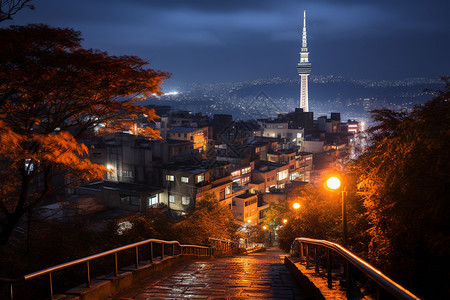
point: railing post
(137, 257)
(329, 275)
(88, 284)
(11, 291)
(307, 256)
(162, 251)
(151, 252)
(173, 249)
(116, 271)
(347, 277)
(316, 264)
(301, 251)
(51, 284)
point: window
(127, 174)
(185, 200)
(184, 179)
(250, 202)
(236, 173)
(153, 200)
(282, 175)
(170, 178)
(171, 198)
(280, 126)
(268, 179)
(125, 199)
(228, 190)
(185, 135)
(134, 200)
(200, 178)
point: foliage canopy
(53, 93)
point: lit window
(153, 200)
(171, 198)
(282, 175)
(200, 178)
(170, 178)
(184, 179)
(228, 190)
(185, 200)
(127, 174)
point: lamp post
(334, 183)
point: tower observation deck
(304, 69)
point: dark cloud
(234, 40)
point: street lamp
(285, 221)
(334, 183)
(296, 205)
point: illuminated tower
(304, 68)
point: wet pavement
(255, 276)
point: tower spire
(304, 18)
(304, 68)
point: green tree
(403, 177)
(53, 93)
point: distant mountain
(353, 98)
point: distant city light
(171, 93)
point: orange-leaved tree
(53, 93)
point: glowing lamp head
(333, 183)
(296, 205)
(285, 221)
(249, 221)
(264, 227)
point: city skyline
(199, 41)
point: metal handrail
(382, 280)
(114, 251)
(222, 240)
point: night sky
(233, 40)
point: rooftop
(132, 188)
(196, 166)
(184, 129)
(245, 196)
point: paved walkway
(255, 276)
